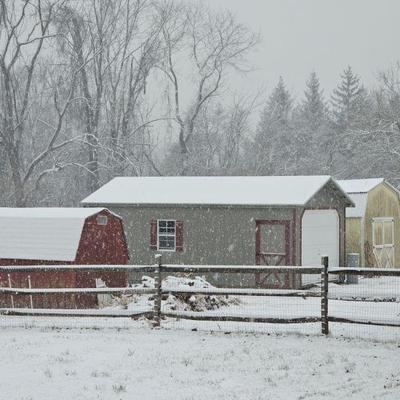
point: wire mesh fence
(363, 303)
(228, 309)
(367, 304)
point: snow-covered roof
(50, 234)
(358, 189)
(360, 201)
(243, 190)
(359, 185)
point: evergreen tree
(311, 122)
(313, 108)
(349, 100)
(352, 113)
(279, 104)
(273, 138)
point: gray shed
(269, 220)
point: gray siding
(211, 235)
(214, 235)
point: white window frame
(102, 220)
(166, 234)
(382, 220)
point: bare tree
(132, 55)
(218, 141)
(24, 29)
(214, 44)
(122, 40)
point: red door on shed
(273, 248)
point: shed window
(383, 241)
(166, 235)
(102, 220)
(383, 229)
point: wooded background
(94, 89)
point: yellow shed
(373, 226)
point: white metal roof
(50, 234)
(357, 190)
(243, 190)
(360, 201)
(359, 185)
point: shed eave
(389, 185)
(194, 205)
(34, 260)
(349, 203)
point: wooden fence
(160, 270)
(366, 272)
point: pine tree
(348, 101)
(279, 104)
(352, 113)
(273, 138)
(313, 108)
(311, 122)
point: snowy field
(119, 358)
(141, 363)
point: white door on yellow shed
(319, 237)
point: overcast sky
(322, 35)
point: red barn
(51, 236)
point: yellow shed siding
(382, 201)
(353, 235)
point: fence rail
(80, 268)
(75, 313)
(160, 291)
(366, 272)
(243, 269)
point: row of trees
(86, 86)
(354, 132)
(92, 89)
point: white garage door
(320, 237)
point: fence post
(10, 286)
(157, 286)
(30, 287)
(324, 295)
(353, 261)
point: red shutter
(153, 234)
(179, 235)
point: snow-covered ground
(371, 291)
(370, 309)
(141, 363)
(84, 358)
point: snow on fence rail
(45, 312)
(165, 268)
(366, 271)
(80, 268)
(159, 270)
(159, 291)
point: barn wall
(65, 279)
(382, 201)
(102, 244)
(99, 244)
